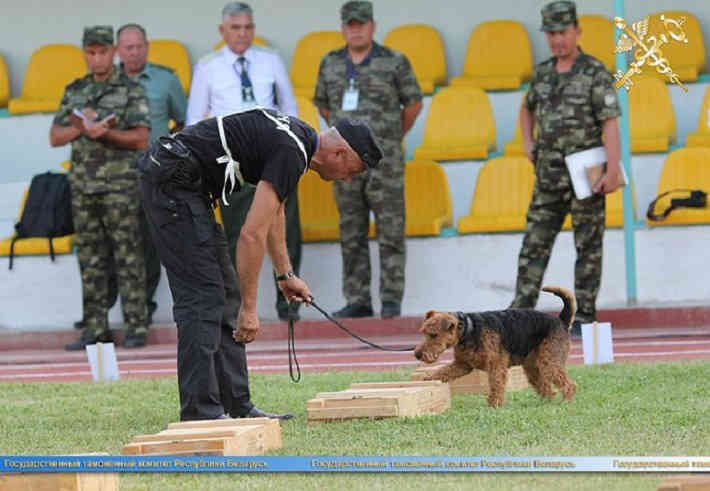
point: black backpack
(47, 211)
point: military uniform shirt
(98, 166)
(385, 81)
(570, 107)
(264, 150)
(166, 98)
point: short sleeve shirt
(268, 145)
(98, 166)
(385, 82)
(166, 99)
(569, 108)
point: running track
(323, 355)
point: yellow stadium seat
(598, 39)
(4, 83)
(651, 117)
(427, 198)
(307, 57)
(425, 50)
(515, 146)
(50, 69)
(308, 112)
(318, 211)
(459, 126)
(498, 56)
(257, 40)
(687, 60)
(501, 198)
(686, 168)
(172, 54)
(35, 246)
(701, 138)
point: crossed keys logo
(648, 50)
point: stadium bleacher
(489, 78)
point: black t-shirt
(258, 140)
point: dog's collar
(464, 326)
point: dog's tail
(570, 307)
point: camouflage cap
(356, 10)
(556, 16)
(359, 137)
(97, 35)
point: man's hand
(295, 290)
(248, 322)
(94, 130)
(610, 181)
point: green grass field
(622, 409)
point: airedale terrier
(494, 341)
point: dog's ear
(429, 314)
(451, 326)
(444, 325)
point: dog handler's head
(345, 150)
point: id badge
(350, 98)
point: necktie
(247, 90)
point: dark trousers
(234, 216)
(152, 272)
(211, 366)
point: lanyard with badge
(352, 93)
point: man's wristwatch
(285, 276)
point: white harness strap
(232, 171)
(284, 127)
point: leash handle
(292, 360)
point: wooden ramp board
(475, 382)
(249, 436)
(272, 428)
(98, 481)
(380, 400)
(685, 483)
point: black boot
(89, 337)
(255, 412)
(390, 309)
(135, 340)
(354, 310)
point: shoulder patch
(264, 49)
(209, 57)
(78, 82)
(162, 67)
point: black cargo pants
(211, 366)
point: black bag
(47, 211)
(697, 199)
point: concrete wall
(32, 23)
(472, 272)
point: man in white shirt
(235, 78)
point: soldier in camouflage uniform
(573, 103)
(376, 85)
(105, 199)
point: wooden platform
(219, 437)
(380, 400)
(475, 382)
(99, 481)
(685, 483)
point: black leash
(292, 360)
(292, 351)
